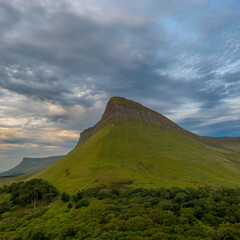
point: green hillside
(232, 143)
(138, 146)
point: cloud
(61, 60)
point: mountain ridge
(119, 108)
(30, 165)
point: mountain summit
(134, 144)
(119, 108)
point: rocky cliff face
(85, 135)
(123, 109)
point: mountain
(30, 165)
(136, 145)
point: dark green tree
(65, 197)
(37, 234)
(82, 203)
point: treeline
(175, 213)
(118, 212)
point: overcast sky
(60, 62)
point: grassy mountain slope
(133, 143)
(30, 165)
(229, 142)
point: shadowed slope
(30, 165)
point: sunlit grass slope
(232, 143)
(146, 154)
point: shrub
(16, 238)
(180, 197)
(65, 197)
(115, 192)
(68, 231)
(37, 214)
(49, 197)
(82, 203)
(166, 205)
(37, 234)
(77, 197)
(4, 207)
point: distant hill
(138, 146)
(30, 165)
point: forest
(35, 210)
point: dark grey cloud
(60, 61)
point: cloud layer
(60, 61)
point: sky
(60, 62)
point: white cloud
(62, 60)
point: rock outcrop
(85, 135)
(119, 108)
